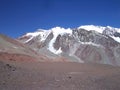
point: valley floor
(58, 76)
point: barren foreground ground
(58, 76)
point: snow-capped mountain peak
(92, 27)
(82, 44)
(99, 29)
(108, 30)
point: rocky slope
(13, 50)
(85, 44)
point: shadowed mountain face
(116, 34)
(83, 44)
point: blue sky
(20, 16)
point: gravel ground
(58, 76)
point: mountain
(85, 44)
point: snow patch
(58, 51)
(118, 30)
(116, 38)
(57, 31)
(90, 43)
(29, 40)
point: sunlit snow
(116, 38)
(92, 27)
(100, 29)
(43, 34)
